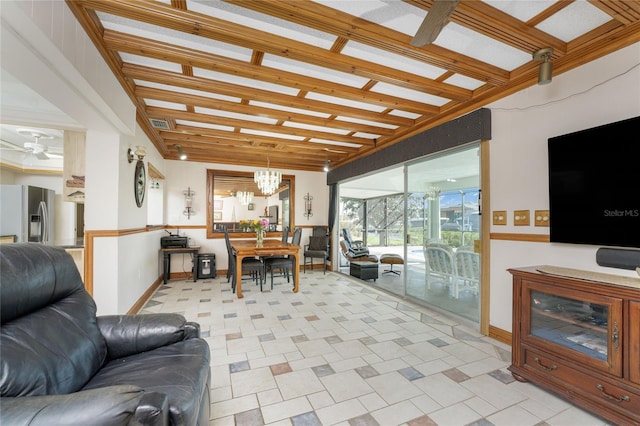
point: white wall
(604, 91)
(45, 47)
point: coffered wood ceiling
(299, 83)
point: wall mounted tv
(594, 185)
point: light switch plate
(499, 217)
(521, 217)
(541, 218)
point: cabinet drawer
(590, 385)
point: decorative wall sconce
(140, 152)
(307, 206)
(188, 202)
(546, 67)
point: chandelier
(244, 197)
(268, 180)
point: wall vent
(160, 124)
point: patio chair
(354, 248)
(440, 266)
(468, 271)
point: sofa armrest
(191, 330)
(121, 405)
(131, 334)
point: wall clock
(139, 183)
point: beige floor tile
(340, 412)
(339, 347)
(393, 387)
(233, 406)
(285, 409)
(514, 415)
(298, 383)
(397, 413)
(345, 385)
(251, 381)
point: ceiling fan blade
(434, 22)
(41, 156)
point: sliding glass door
(426, 212)
(444, 263)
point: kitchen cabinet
(579, 338)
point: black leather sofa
(60, 364)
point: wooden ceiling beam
(156, 112)
(237, 91)
(624, 11)
(157, 13)
(332, 21)
(495, 24)
(178, 54)
(248, 109)
(201, 135)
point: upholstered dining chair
(285, 238)
(251, 266)
(318, 248)
(286, 264)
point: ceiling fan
(36, 149)
(434, 22)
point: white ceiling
(447, 171)
(24, 113)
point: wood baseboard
(137, 307)
(500, 335)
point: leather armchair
(61, 364)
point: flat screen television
(594, 185)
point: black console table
(166, 258)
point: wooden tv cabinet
(580, 339)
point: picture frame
(217, 205)
(217, 215)
(250, 206)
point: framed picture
(217, 205)
(217, 215)
(250, 206)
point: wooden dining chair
(252, 266)
(285, 264)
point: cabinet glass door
(587, 329)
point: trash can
(206, 264)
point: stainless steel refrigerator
(27, 212)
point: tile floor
(341, 352)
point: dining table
(268, 247)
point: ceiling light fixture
(181, 154)
(326, 166)
(546, 67)
(244, 197)
(268, 180)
